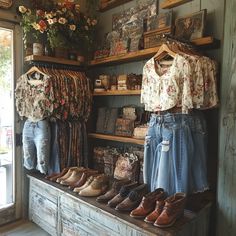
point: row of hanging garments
(57, 104)
(178, 82)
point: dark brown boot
(116, 186)
(147, 204)
(173, 210)
(54, 178)
(133, 199)
(123, 193)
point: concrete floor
(22, 228)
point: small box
(155, 38)
(124, 127)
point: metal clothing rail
(52, 65)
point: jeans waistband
(194, 119)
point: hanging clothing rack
(57, 66)
(172, 38)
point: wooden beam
(167, 4)
(117, 138)
(145, 53)
(112, 4)
(117, 93)
(52, 60)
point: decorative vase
(29, 50)
(38, 49)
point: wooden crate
(155, 38)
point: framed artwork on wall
(191, 26)
(5, 3)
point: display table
(59, 211)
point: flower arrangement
(64, 25)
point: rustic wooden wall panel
(227, 157)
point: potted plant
(64, 26)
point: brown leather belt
(172, 110)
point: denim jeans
(54, 162)
(36, 145)
(175, 153)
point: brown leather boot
(116, 186)
(173, 210)
(73, 178)
(81, 181)
(67, 174)
(87, 183)
(97, 187)
(151, 218)
(63, 172)
(147, 204)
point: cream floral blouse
(190, 82)
(34, 101)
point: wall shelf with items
(208, 42)
(55, 60)
(116, 138)
(112, 4)
(168, 4)
(118, 93)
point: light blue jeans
(175, 153)
(36, 145)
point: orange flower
(43, 25)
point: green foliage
(5, 67)
(63, 23)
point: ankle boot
(123, 193)
(74, 177)
(67, 174)
(133, 199)
(82, 180)
(116, 186)
(97, 187)
(173, 210)
(151, 218)
(87, 183)
(64, 171)
(147, 204)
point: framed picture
(160, 21)
(191, 26)
(5, 3)
(142, 10)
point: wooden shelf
(117, 138)
(167, 4)
(52, 60)
(117, 93)
(112, 4)
(146, 53)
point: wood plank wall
(214, 27)
(227, 154)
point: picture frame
(191, 26)
(161, 21)
(6, 3)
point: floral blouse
(34, 101)
(190, 82)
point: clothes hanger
(34, 69)
(163, 51)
